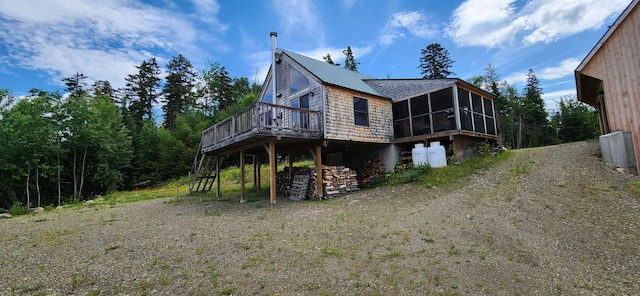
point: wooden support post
(255, 173)
(272, 171)
(217, 176)
(319, 177)
(242, 177)
(290, 165)
(259, 175)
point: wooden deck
(261, 122)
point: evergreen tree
(435, 62)
(506, 100)
(142, 90)
(328, 59)
(350, 62)
(508, 107)
(178, 96)
(76, 85)
(240, 88)
(145, 154)
(215, 91)
(103, 87)
(576, 121)
(534, 128)
(225, 95)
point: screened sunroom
(445, 111)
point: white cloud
(207, 6)
(260, 61)
(551, 99)
(566, 67)
(483, 23)
(299, 18)
(414, 23)
(516, 78)
(102, 39)
(348, 4)
(553, 20)
(494, 23)
(207, 11)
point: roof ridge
(335, 75)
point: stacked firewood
(338, 179)
(372, 169)
(283, 183)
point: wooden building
(609, 78)
(344, 118)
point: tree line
(522, 117)
(96, 139)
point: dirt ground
(551, 220)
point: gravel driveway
(550, 220)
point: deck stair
(203, 173)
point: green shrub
(404, 173)
(18, 209)
(484, 148)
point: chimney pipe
(273, 65)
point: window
(297, 81)
(268, 94)
(361, 111)
(420, 120)
(266, 115)
(300, 119)
(489, 116)
(465, 109)
(401, 127)
(443, 114)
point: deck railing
(264, 119)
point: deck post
(290, 165)
(259, 174)
(272, 171)
(242, 177)
(255, 173)
(319, 176)
(217, 176)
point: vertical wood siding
(617, 64)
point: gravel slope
(551, 220)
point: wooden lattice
(299, 187)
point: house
(343, 117)
(609, 79)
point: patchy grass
(229, 186)
(452, 173)
(230, 181)
(436, 177)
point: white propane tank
(419, 155)
(436, 155)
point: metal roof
(335, 75)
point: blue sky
(43, 41)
